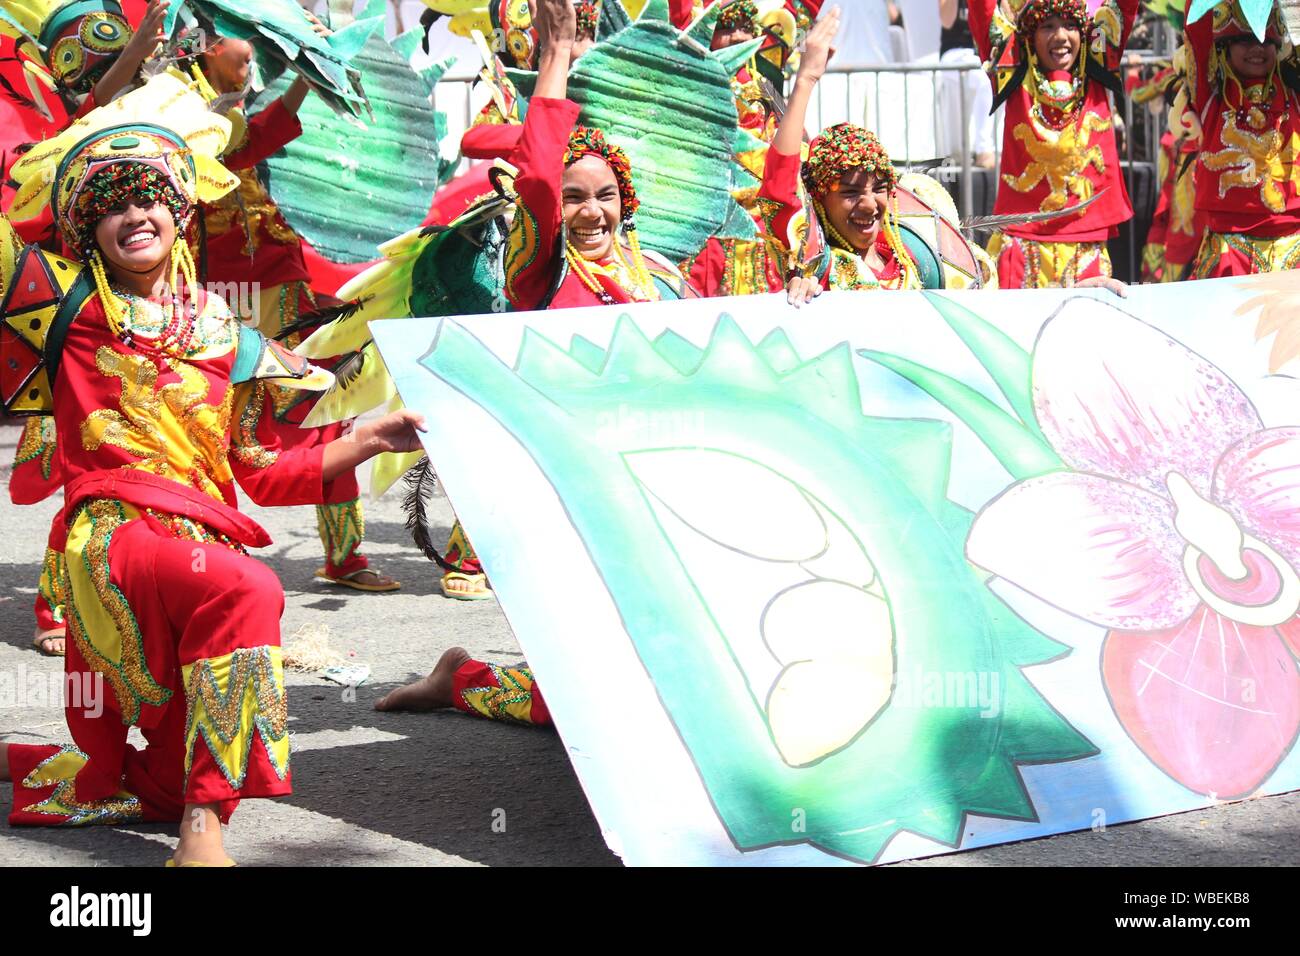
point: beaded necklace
(177, 334)
(634, 277)
(888, 230)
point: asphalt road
(423, 789)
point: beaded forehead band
(115, 186)
(587, 141)
(842, 148)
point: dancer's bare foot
(4, 762)
(200, 840)
(427, 693)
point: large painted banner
(896, 574)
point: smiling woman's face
(1056, 43)
(1250, 59)
(856, 209)
(591, 206)
(137, 236)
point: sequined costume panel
(1031, 264)
(498, 692)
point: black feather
(427, 19)
(347, 371)
(318, 317)
(420, 484)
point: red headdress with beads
(588, 17)
(739, 15)
(587, 141)
(1036, 11)
(844, 147)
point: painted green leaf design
(1015, 446)
(1005, 361)
(586, 414)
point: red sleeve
(269, 473)
(270, 130)
(490, 140)
(679, 12)
(532, 248)
(779, 196)
(980, 13)
(1200, 44)
(36, 473)
(705, 271)
(1128, 10)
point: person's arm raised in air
(779, 195)
(533, 246)
(123, 70)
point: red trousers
(195, 604)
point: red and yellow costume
(499, 692)
(1177, 229)
(69, 44)
(1247, 175)
(37, 475)
(536, 254)
(159, 410)
(1058, 147)
(831, 258)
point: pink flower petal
(1100, 549)
(1258, 480)
(1116, 396)
(1213, 703)
(1290, 632)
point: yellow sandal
(479, 592)
(171, 862)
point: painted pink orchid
(1177, 528)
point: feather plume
(420, 484)
(1000, 222)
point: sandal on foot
(351, 580)
(43, 638)
(478, 592)
(171, 862)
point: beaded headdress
(587, 141)
(739, 15)
(159, 141)
(1036, 11)
(163, 126)
(112, 186)
(588, 16)
(844, 147)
